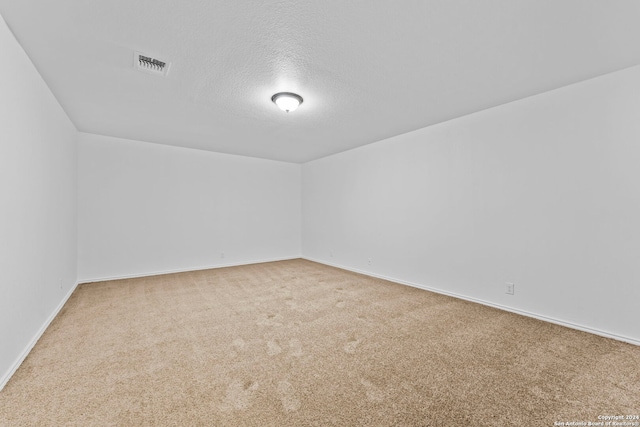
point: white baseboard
(183, 270)
(7, 376)
(483, 302)
(12, 370)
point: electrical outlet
(330, 254)
(511, 288)
(60, 283)
(221, 254)
(369, 261)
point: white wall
(543, 192)
(148, 208)
(37, 204)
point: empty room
(291, 213)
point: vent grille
(150, 65)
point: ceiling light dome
(287, 101)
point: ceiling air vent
(151, 65)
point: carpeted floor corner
(296, 343)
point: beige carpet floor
(296, 343)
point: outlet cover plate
(510, 289)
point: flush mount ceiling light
(287, 101)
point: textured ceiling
(367, 70)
